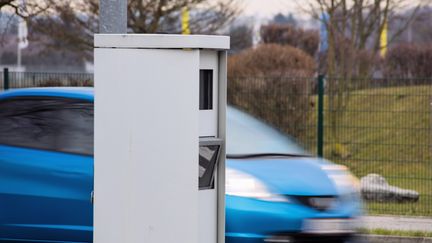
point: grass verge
(402, 233)
(387, 131)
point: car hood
(289, 176)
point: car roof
(85, 93)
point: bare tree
(418, 30)
(287, 34)
(357, 24)
(241, 38)
(10, 9)
(354, 28)
(70, 25)
(73, 23)
(31, 8)
(4, 3)
(163, 15)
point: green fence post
(5, 78)
(320, 136)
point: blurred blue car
(276, 192)
(46, 165)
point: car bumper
(250, 221)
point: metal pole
(18, 58)
(113, 16)
(5, 78)
(21, 5)
(320, 140)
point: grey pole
(113, 16)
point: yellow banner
(185, 21)
(384, 40)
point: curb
(393, 239)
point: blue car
(46, 165)
(276, 192)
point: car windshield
(247, 135)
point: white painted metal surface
(146, 151)
(208, 127)
(162, 41)
(147, 128)
(222, 104)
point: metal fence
(14, 80)
(384, 126)
(372, 126)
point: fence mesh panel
(288, 104)
(372, 126)
(384, 126)
(41, 79)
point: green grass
(397, 233)
(387, 131)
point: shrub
(271, 60)
(347, 61)
(267, 82)
(241, 38)
(283, 34)
(408, 61)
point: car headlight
(342, 178)
(244, 185)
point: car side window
(56, 124)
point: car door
(46, 169)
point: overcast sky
(267, 8)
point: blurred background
(350, 80)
